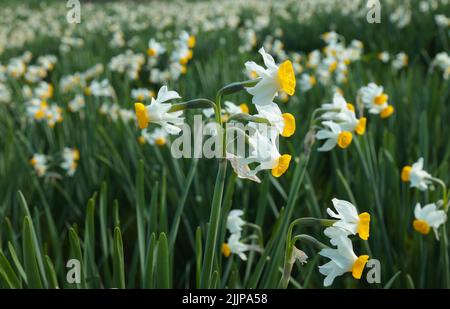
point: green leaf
(181, 204)
(34, 239)
(392, 280)
(51, 273)
(75, 253)
(103, 219)
(149, 271)
(140, 206)
(29, 256)
(198, 253)
(162, 262)
(10, 276)
(211, 236)
(89, 244)
(17, 263)
(118, 260)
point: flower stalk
(290, 243)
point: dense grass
(117, 213)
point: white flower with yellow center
(348, 122)
(234, 221)
(70, 160)
(332, 109)
(77, 103)
(235, 246)
(154, 48)
(54, 115)
(349, 219)
(376, 100)
(263, 150)
(263, 153)
(157, 137)
(334, 135)
(307, 82)
(343, 260)
(39, 163)
(16, 67)
(284, 123)
(35, 73)
(233, 109)
(416, 175)
(428, 217)
(43, 91)
(141, 94)
(158, 112)
(273, 79)
(400, 61)
(384, 56)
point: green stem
(288, 262)
(246, 117)
(237, 86)
(444, 238)
(192, 104)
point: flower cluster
(235, 245)
(330, 66)
(340, 123)
(432, 215)
(67, 160)
(342, 258)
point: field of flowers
(343, 181)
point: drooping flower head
(342, 260)
(416, 175)
(428, 217)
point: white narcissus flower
(77, 103)
(343, 260)
(273, 79)
(284, 123)
(338, 105)
(263, 150)
(157, 137)
(416, 175)
(70, 160)
(154, 48)
(235, 246)
(43, 91)
(158, 112)
(384, 56)
(232, 109)
(234, 221)
(334, 135)
(39, 163)
(428, 217)
(141, 94)
(348, 122)
(306, 82)
(376, 100)
(400, 61)
(349, 219)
